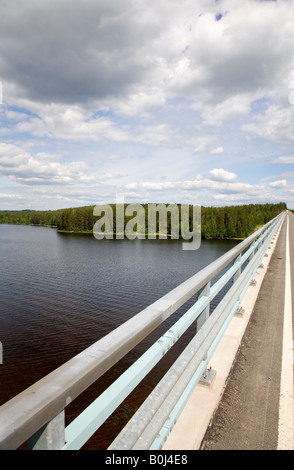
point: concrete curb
(191, 426)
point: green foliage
(237, 221)
(216, 222)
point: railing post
(51, 436)
(205, 314)
(254, 244)
(238, 272)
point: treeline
(216, 222)
(79, 219)
(237, 221)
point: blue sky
(188, 101)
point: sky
(173, 101)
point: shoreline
(90, 232)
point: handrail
(154, 420)
(26, 413)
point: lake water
(59, 293)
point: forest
(216, 222)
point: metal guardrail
(37, 414)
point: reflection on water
(62, 292)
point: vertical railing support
(254, 244)
(206, 312)
(238, 272)
(51, 436)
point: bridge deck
(253, 398)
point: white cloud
(287, 159)
(199, 143)
(217, 151)
(275, 124)
(226, 184)
(42, 168)
(136, 57)
(239, 105)
(149, 93)
(154, 135)
(10, 196)
(152, 186)
(278, 184)
(219, 174)
(63, 122)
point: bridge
(236, 369)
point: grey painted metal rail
(37, 414)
